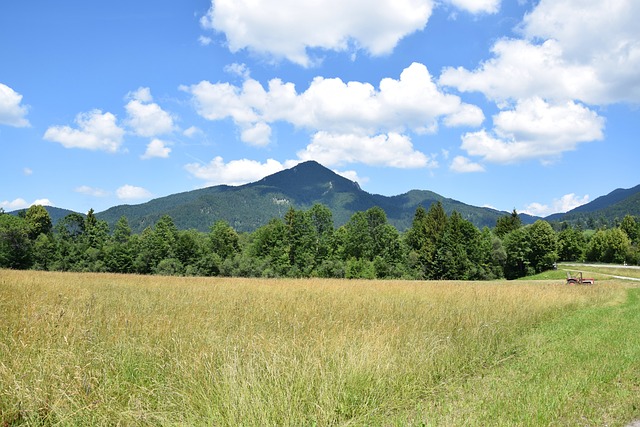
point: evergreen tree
(119, 256)
(122, 231)
(321, 220)
(506, 224)
(424, 239)
(96, 232)
(164, 238)
(269, 246)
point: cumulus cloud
(352, 175)
(561, 205)
(520, 69)
(96, 131)
(21, 203)
(258, 134)
(91, 191)
(142, 94)
(145, 117)
(236, 172)
(240, 70)
(42, 202)
(392, 150)
(289, 28)
(156, 148)
(13, 205)
(584, 50)
(331, 108)
(462, 164)
(130, 192)
(477, 6)
(535, 129)
(412, 102)
(12, 111)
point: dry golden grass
(99, 349)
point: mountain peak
(308, 175)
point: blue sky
(531, 105)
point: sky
(510, 104)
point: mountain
(617, 204)
(252, 205)
(56, 214)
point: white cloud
(205, 41)
(602, 35)
(520, 70)
(91, 191)
(142, 94)
(13, 205)
(392, 150)
(42, 202)
(97, 131)
(412, 103)
(535, 129)
(191, 132)
(288, 28)
(27, 171)
(258, 134)
(240, 70)
(156, 148)
(352, 176)
(467, 115)
(147, 118)
(236, 172)
(130, 192)
(462, 164)
(477, 6)
(586, 50)
(21, 203)
(561, 205)
(12, 111)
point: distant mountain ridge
(249, 206)
(56, 214)
(617, 204)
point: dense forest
(305, 243)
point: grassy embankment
(89, 349)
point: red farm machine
(578, 279)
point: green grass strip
(583, 369)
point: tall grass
(96, 349)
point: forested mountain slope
(249, 206)
(615, 205)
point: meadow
(104, 349)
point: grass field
(97, 349)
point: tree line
(305, 243)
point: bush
(169, 267)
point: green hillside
(250, 206)
(615, 205)
(56, 214)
